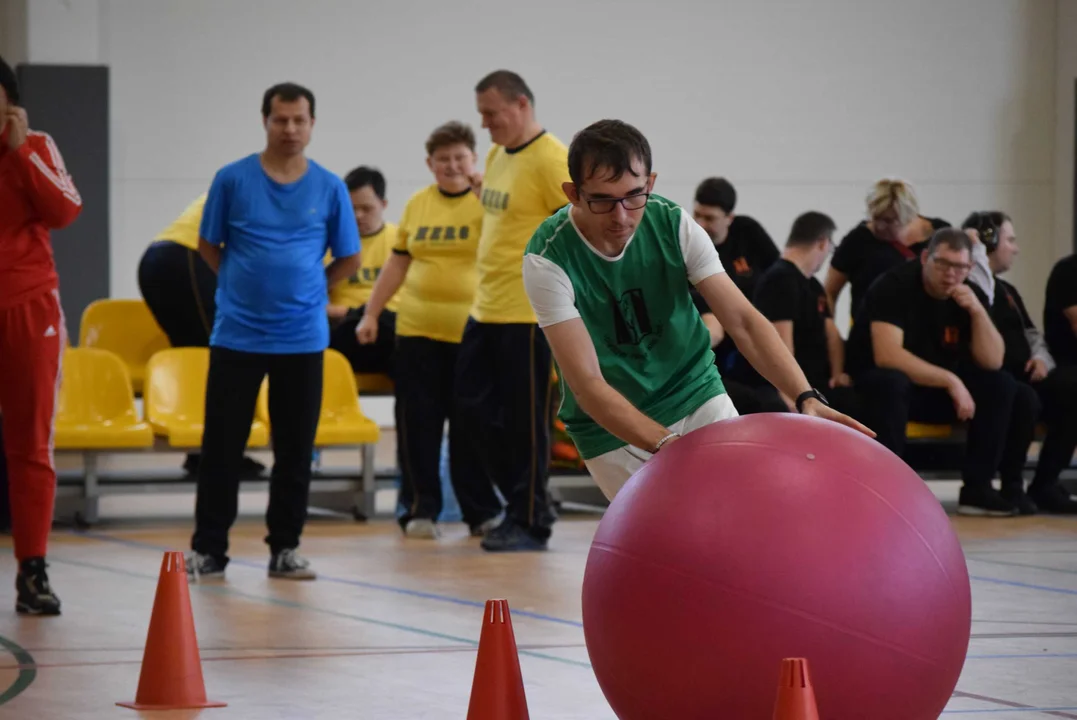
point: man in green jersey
(609, 278)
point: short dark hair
(953, 238)
(609, 144)
(363, 176)
(451, 133)
(508, 83)
(717, 192)
(287, 92)
(9, 81)
(809, 228)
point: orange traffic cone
(796, 699)
(497, 691)
(171, 667)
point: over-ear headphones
(989, 232)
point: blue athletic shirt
(271, 287)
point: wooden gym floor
(390, 628)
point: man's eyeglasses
(602, 206)
(945, 265)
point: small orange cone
(796, 699)
(497, 691)
(171, 666)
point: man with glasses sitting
(609, 278)
(923, 347)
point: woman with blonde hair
(894, 232)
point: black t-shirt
(1011, 318)
(784, 293)
(1061, 294)
(862, 258)
(936, 331)
(747, 253)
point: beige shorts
(613, 469)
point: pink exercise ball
(775, 536)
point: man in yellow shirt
(503, 367)
(177, 284)
(348, 299)
(180, 289)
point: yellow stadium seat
(927, 431)
(373, 383)
(96, 408)
(175, 398)
(128, 329)
(342, 421)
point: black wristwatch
(807, 395)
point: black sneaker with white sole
(289, 565)
(204, 567)
(984, 501)
(34, 593)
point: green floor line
(27, 673)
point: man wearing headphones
(1044, 391)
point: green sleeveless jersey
(651, 342)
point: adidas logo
(51, 332)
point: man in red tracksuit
(36, 195)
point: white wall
(801, 104)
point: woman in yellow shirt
(433, 267)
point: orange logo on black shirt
(822, 305)
(951, 335)
(741, 266)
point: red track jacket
(36, 195)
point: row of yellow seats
(96, 409)
(128, 329)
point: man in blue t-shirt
(267, 224)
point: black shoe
(1015, 494)
(1053, 499)
(984, 501)
(35, 595)
(204, 567)
(510, 537)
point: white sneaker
(422, 529)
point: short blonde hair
(898, 195)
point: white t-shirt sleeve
(700, 257)
(549, 290)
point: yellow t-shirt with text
(184, 229)
(520, 189)
(374, 251)
(441, 234)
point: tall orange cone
(796, 699)
(497, 691)
(171, 666)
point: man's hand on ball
(817, 409)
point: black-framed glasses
(602, 206)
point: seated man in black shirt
(1043, 391)
(1060, 311)
(744, 249)
(790, 296)
(923, 347)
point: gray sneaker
(204, 567)
(422, 528)
(289, 565)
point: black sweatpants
(179, 287)
(503, 390)
(295, 403)
(374, 358)
(1054, 400)
(890, 399)
(425, 399)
